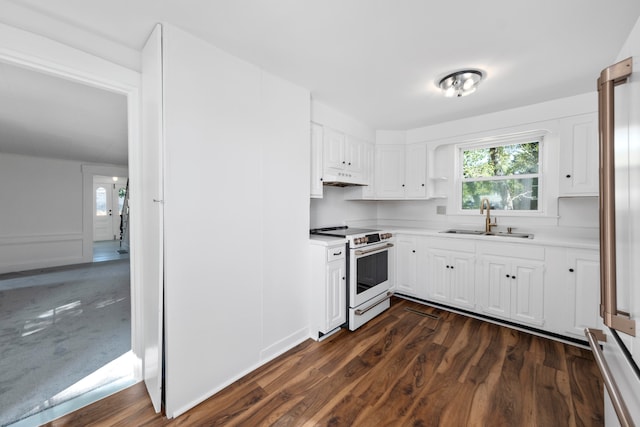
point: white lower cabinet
(511, 282)
(583, 278)
(411, 260)
(329, 288)
(549, 288)
(574, 281)
(451, 273)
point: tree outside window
(507, 175)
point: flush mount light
(460, 83)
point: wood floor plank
(551, 406)
(401, 369)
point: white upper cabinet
(579, 156)
(354, 154)
(316, 188)
(334, 150)
(416, 171)
(389, 171)
(401, 171)
(343, 158)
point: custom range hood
(343, 179)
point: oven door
(369, 272)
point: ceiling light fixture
(460, 83)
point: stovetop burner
(341, 231)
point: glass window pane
(502, 160)
(507, 194)
(101, 201)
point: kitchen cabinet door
(416, 171)
(583, 297)
(389, 171)
(335, 297)
(579, 156)
(365, 192)
(438, 284)
(513, 289)
(527, 292)
(316, 190)
(495, 287)
(462, 285)
(328, 288)
(354, 154)
(406, 264)
(334, 149)
(451, 277)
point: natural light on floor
(112, 377)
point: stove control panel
(371, 238)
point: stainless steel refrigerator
(617, 346)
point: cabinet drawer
(335, 253)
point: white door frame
(42, 54)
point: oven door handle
(360, 312)
(368, 251)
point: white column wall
(236, 217)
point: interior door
(102, 212)
(152, 209)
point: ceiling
(46, 116)
(374, 60)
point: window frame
(525, 137)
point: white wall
(333, 210)
(42, 204)
(329, 116)
(40, 211)
(632, 45)
(236, 218)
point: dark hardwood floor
(401, 369)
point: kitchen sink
(489, 233)
(458, 231)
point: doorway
(42, 55)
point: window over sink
(507, 173)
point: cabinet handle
(337, 253)
(447, 266)
(403, 185)
(349, 163)
(343, 278)
(508, 276)
(452, 267)
(414, 251)
(571, 270)
(423, 185)
(513, 277)
(568, 176)
(343, 162)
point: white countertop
(546, 238)
(320, 240)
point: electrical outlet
(441, 210)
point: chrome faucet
(488, 224)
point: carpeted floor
(58, 326)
